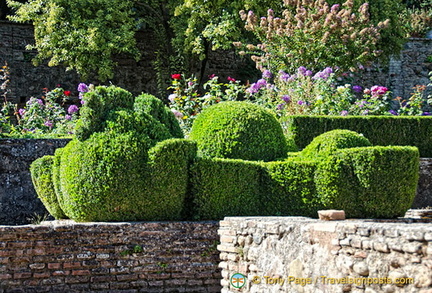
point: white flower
(172, 97)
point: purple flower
(68, 117)
(286, 98)
(323, 74)
(393, 112)
(283, 76)
(308, 73)
(39, 101)
(280, 106)
(357, 89)
(261, 82)
(83, 88)
(21, 112)
(267, 74)
(72, 109)
(302, 70)
(344, 113)
(426, 114)
(48, 124)
(300, 102)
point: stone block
(331, 215)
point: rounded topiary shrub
(239, 130)
(149, 104)
(327, 143)
(41, 174)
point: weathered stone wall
(278, 254)
(63, 256)
(137, 77)
(18, 199)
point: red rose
(176, 76)
(67, 93)
(231, 79)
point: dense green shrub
(226, 187)
(98, 105)
(41, 174)
(327, 143)
(239, 130)
(380, 130)
(369, 182)
(127, 166)
(149, 104)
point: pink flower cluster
(377, 90)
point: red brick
(25, 275)
(80, 273)
(72, 265)
(42, 275)
(54, 266)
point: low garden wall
(64, 256)
(296, 254)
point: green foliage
(374, 182)
(149, 104)
(226, 187)
(327, 143)
(99, 102)
(80, 34)
(314, 34)
(239, 130)
(380, 130)
(41, 174)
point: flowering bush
(47, 115)
(314, 34)
(186, 102)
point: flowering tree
(314, 34)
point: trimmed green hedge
(41, 174)
(380, 130)
(239, 130)
(369, 182)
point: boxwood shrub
(239, 130)
(369, 182)
(380, 130)
(41, 174)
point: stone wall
(136, 76)
(277, 254)
(63, 256)
(18, 199)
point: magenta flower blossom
(83, 88)
(39, 101)
(177, 113)
(378, 90)
(21, 112)
(72, 109)
(267, 74)
(286, 98)
(344, 113)
(68, 117)
(48, 124)
(300, 102)
(231, 79)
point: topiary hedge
(41, 174)
(127, 166)
(380, 130)
(331, 173)
(239, 130)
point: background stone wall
(64, 256)
(278, 254)
(18, 200)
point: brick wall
(63, 256)
(278, 254)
